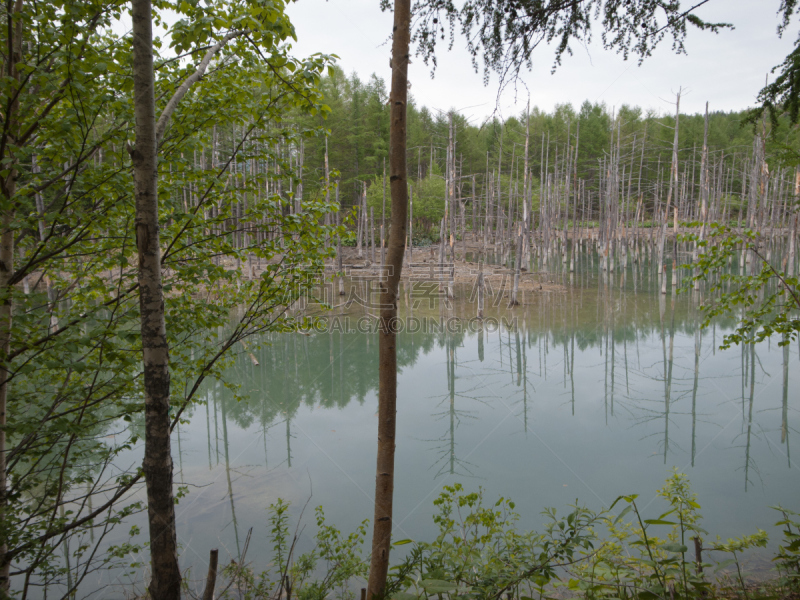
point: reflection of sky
(592, 455)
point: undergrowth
(479, 553)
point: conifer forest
(272, 328)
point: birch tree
(69, 372)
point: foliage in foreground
(762, 295)
(237, 251)
(480, 554)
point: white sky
(727, 69)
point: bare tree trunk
(410, 223)
(451, 270)
(359, 229)
(327, 191)
(372, 234)
(704, 186)
(298, 196)
(792, 246)
(450, 213)
(441, 257)
(157, 467)
(340, 267)
(576, 184)
(704, 193)
(673, 188)
(387, 336)
(517, 268)
(481, 288)
(211, 578)
(383, 219)
(474, 208)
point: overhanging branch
(163, 120)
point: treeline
(493, 151)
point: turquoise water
(596, 386)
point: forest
(358, 132)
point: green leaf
(666, 514)
(404, 596)
(624, 512)
(659, 522)
(437, 586)
(675, 548)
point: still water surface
(600, 389)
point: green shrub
(480, 554)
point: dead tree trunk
(704, 193)
(410, 223)
(359, 229)
(339, 265)
(372, 234)
(673, 188)
(481, 287)
(517, 266)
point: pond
(598, 385)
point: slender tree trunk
(339, 266)
(450, 226)
(298, 196)
(474, 208)
(157, 467)
(387, 336)
(442, 254)
(792, 245)
(517, 268)
(410, 223)
(673, 188)
(481, 289)
(577, 186)
(8, 189)
(372, 234)
(383, 219)
(211, 578)
(359, 229)
(6, 270)
(704, 193)
(327, 191)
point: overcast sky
(726, 69)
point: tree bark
(211, 578)
(673, 188)
(517, 267)
(383, 220)
(704, 194)
(166, 578)
(8, 189)
(339, 264)
(387, 336)
(410, 224)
